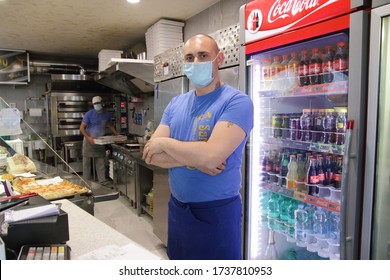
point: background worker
(94, 125)
(201, 139)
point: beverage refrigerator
(376, 211)
(306, 72)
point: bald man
(200, 139)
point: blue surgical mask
(199, 73)
(98, 107)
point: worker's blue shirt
(96, 123)
(192, 118)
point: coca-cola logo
(281, 10)
(254, 21)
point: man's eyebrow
(197, 54)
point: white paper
(49, 181)
(26, 175)
(12, 216)
(10, 122)
(35, 112)
(114, 252)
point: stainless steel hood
(131, 76)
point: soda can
(293, 129)
(276, 125)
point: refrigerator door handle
(344, 239)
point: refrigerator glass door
(300, 112)
(376, 227)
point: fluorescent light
(133, 1)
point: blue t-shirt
(96, 123)
(192, 118)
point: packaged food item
(20, 164)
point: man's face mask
(199, 73)
(98, 107)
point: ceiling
(81, 28)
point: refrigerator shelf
(309, 146)
(309, 199)
(329, 89)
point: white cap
(96, 99)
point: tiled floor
(124, 218)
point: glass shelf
(334, 88)
(317, 201)
(309, 146)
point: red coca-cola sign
(265, 18)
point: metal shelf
(147, 209)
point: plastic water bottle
(300, 219)
(290, 225)
(311, 240)
(264, 197)
(273, 211)
(334, 227)
(320, 225)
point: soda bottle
(318, 133)
(274, 73)
(277, 160)
(315, 68)
(301, 168)
(308, 155)
(338, 173)
(330, 127)
(312, 178)
(265, 74)
(306, 125)
(283, 170)
(340, 63)
(327, 65)
(341, 126)
(283, 74)
(264, 163)
(292, 73)
(292, 174)
(328, 171)
(320, 170)
(303, 69)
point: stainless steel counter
(150, 177)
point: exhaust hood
(131, 76)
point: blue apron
(205, 230)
